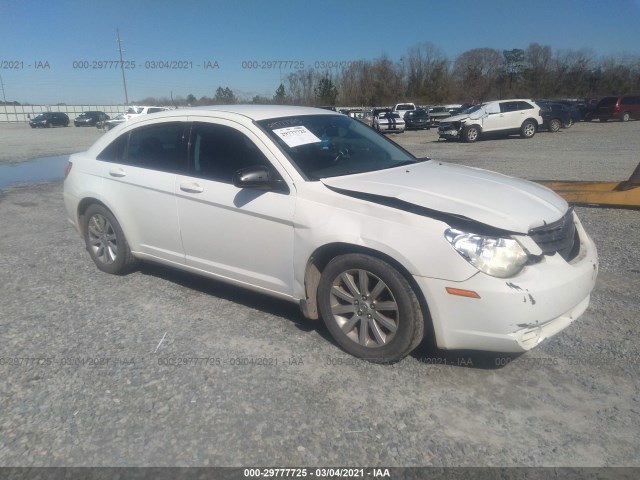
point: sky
(65, 51)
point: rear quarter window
(525, 106)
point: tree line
(426, 76)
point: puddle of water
(39, 170)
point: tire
(470, 134)
(554, 125)
(354, 289)
(528, 129)
(106, 242)
(626, 116)
(603, 119)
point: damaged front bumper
(514, 314)
(450, 131)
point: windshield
(475, 108)
(418, 114)
(322, 146)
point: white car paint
(490, 118)
(265, 240)
(389, 122)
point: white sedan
(316, 208)
(389, 122)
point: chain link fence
(24, 113)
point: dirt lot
(166, 369)
(20, 142)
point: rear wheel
(369, 308)
(554, 125)
(626, 117)
(106, 242)
(528, 129)
(470, 134)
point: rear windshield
(322, 146)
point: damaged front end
(451, 130)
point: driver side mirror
(257, 177)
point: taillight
(67, 169)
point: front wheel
(528, 129)
(554, 125)
(369, 308)
(626, 116)
(470, 134)
(106, 242)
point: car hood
(457, 118)
(493, 199)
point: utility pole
(124, 82)
(3, 97)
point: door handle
(191, 188)
(117, 172)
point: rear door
(140, 178)
(245, 235)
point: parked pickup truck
(402, 108)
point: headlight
(495, 256)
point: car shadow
(426, 352)
(242, 296)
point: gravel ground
(20, 142)
(84, 380)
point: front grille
(560, 237)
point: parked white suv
(317, 208)
(502, 117)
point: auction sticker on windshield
(296, 136)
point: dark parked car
(555, 116)
(417, 119)
(50, 119)
(589, 109)
(90, 119)
(623, 107)
(575, 108)
(438, 113)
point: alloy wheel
(102, 239)
(364, 308)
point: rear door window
(156, 147)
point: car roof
(248, 112)
(262, 112)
